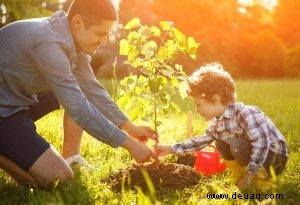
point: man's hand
(245, 182)
(141, 133)
(161, 150)
(140, 152)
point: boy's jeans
(241, 150)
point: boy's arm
(258, 134)
(194, 144)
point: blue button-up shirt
(240, 121)
(38, 55)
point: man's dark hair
(93, 12)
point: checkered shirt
(241, 121)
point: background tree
(251, 40)
(13, 10)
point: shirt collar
(59, 20)
(229, 111)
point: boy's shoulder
(239, 108)
(243, 107)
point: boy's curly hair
(209, 80)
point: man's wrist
(127, 126)
(128, 143)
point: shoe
(78, 159)
(236, 169)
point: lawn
(279, 99)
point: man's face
(89, 39)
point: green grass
(279, 99)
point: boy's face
(88, 39)
(207, 109)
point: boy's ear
(216, 98)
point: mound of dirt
(187, 159)
(170, 176)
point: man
(47, 59)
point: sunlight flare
(268, 4)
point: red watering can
(208, 162)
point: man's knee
(50, 168)
(47, 181)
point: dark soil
(187, 159)
(169, 176)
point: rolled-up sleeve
(51, 60)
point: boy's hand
(141, 133)
(161, 150)
(245, 182)
(140, 152)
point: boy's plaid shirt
(239, 120)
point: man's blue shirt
(38, 55)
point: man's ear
(77, 22)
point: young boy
(243, 134)
(46, 61)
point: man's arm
(96, 93)
(99, 97)
(52, 62)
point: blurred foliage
(12, 10)
(250, 40)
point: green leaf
(163, 53)
(145, 71)
(155, 31)
(166, 25)
(182, 78)
(192, 42)
(135, 113)
(181, 38)
(182, 89)
(124, 47)
(123, 101)
(178, 67)
(167, 73)
(154, 85)
(192, 52)
(133, 23)
(132, 53)
(137, 62)
(192, 47)
(149, 49)
(145, 32)
(133, 35)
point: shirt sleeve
(96, 93)
(255, 126)
(194, 144)
(50, 58)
